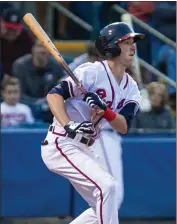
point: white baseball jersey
(97, 77)
(15, 115)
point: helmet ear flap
(115, 51)
(105, 49)
(101, 45)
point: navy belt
(87, 141)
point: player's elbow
(52, 97)
(124, 129)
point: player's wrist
(109, 115)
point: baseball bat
(45, 40)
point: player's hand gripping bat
(43, 37)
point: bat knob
(99, 112)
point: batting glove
(85, 127)
(94, 101)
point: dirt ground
(69, 219)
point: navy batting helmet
(107, 42)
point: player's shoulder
(131, 82)
(88, 66)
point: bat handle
(98, 111)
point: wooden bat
(43, 37)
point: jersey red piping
(126, 82)
(88, 178)
(113, 94)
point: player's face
(127, 52)
(11, 94)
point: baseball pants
(76, 162)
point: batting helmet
(107, 42)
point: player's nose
(133, 47)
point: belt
(87, 141)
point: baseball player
(68, 148)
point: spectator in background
(142, 10)
(38, 73)
(90, 56)
(159, 116)
(14, 39)
(13, 113)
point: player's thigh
(111, 158)
(79, 168)
(109, 150)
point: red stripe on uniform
(69, 161)
(56, 133)
(126, 81)
(113, 93)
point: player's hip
(58, 142)
(58, 132)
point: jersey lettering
(101, 93)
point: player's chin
(129, 63)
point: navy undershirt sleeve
(128, 111)
(61, 89)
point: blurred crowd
(28, 72)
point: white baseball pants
(111, 158)
(75, 161)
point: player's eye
(128, 42)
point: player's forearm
(117, 121)
(57, 107)
(119, 124)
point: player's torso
(106, 86)
(112, 92)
